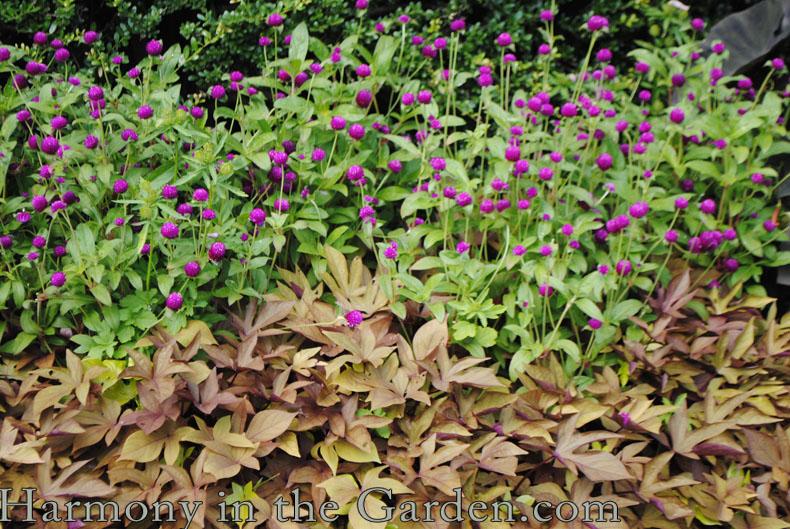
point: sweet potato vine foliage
(693, 429)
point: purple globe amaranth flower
(486, 206)
(95, 93)
(39, 242)
(364, 98)
(50, 145)
(604, 55)
(90, 37)
(59, 251)
(778, 64)
(282, 205)
(523, 204)
(39, 203)
(671, 236)
(546, 173)
(407, 99)
(62, 55)
(217, 91)
(623, 267)
(5, 54)
(730, 234)
(604, 161)
(391, 252)
(6, 241)
(128, 135)
(58, 122)
(169, 230)
(184, 209)
(424, 97)
(718, 48)
(731, 265)
(23, 217)
(769, 225)
(545, 251)
(337, 123)
(58, 279)
(154, 47)
(216, 252)
(463, 199)
(462, 247)
(91, 142)
(257, 216)
(192, 268)
(639, 210)
(567, 230)
(519, 250)
(504, 39)
(708, 206)
(677, 116)
(353, 319)
(363, 70)
(596, 23)
(356, 131)
(200, 195)
(174, 301)
(145, 112)
(438, 164)
(209, 214)
(569, 110)
(275, 19)
(697, 24)
(120, 186)
(678, 80)
(318, 155)
(595, 324)
(361, 4)
(545, 290)
(169, 192)
(355, 172)
(457, 25)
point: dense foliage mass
(533, 229)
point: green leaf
(382, 55)
(300, 39)
(18, 344)
(589, 308)
(165, 283)
(86, 242)
(625, 309)
(101, 293)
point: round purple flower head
(145, 112)
(623, 267)
(90, 37)
(353, 319)
(457, 25)
(217, 91)
(604, 161)
(677, 116)
(424, 96)
(504, 39)
(216, 252)
(595, 324)
(200, 195)
(58, 279)
(174, 301)
(192, 268)
(154, 47)
(708, 206)
(337, 123)
(698, 24)
(275, 19)
(546, 15)
(356, 131)
(120, 186)
(169, 230)
(596, 23)
(257, 216)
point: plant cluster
(284, 396)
